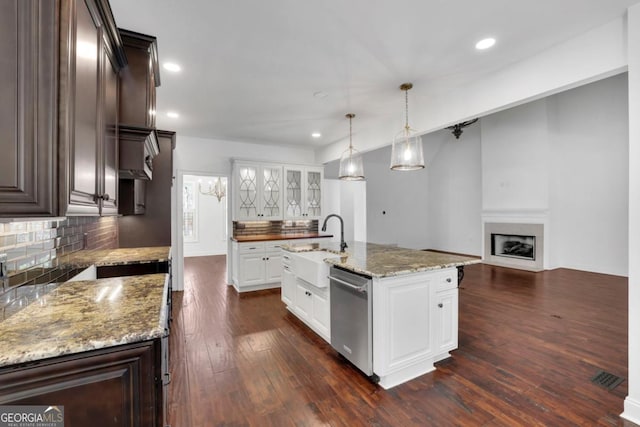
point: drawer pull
(448, 279)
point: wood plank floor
(529, 344)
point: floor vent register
(606, 380)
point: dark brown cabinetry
(28, 111)
(154, 227)
(133, 200)
(139, 80)
(93, 56)
(117, 386)
(59, 67)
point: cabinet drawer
(245, 248)
(447, 280)
(275, 245)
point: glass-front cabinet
(303, 192)
(258, 191)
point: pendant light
(351, 168)
(406, 151)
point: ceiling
(250, 68)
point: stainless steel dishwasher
(351, 331)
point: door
(109, 185)
(273, 266)
(321, 313)
(313, 193)
(271, 192)
(447, 321)
(293, 193)
(251, 269)
(84, 138)
(288, 286)
(304, 302)
(28, 120)
(246, 198)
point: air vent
(606, 380)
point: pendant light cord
(406, 108)
(350, 133)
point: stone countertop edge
(22, 342)
(120, 256)
(381, 261)
(271, 237)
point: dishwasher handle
(362, 288)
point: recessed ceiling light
(485, 43)
(170, 66)
(320, 94)
(173, 114)
(316, 135)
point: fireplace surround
(516, 245)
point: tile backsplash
(35, 250)
(250, 228)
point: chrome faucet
(343, 244)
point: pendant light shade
(351, 168)
(406, 151)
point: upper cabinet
(303, 192)
(91, 58)
(28, 111)
(266, 191)
(139, 80)
(257, 191)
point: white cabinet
(257, 191)
(303, 192)
(415, 323)
(257, 265)
(311, 305)
(446, 313)
(288, 284)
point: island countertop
(380, 261)
(121, 256)
(86, 315)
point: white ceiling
(250, 68)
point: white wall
(515, 158)
(347, 199)
(455, 193)
(632, 402)
(589, 151)
(211, 221)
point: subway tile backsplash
(35, 249)
(250, 228)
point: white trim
(178, 263)
(631, 410)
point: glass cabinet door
(271, 192)
(313, 193)
(293, 202)
(247, 192)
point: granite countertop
(122, 256)
(86, 315)
(268, 237)
(380, 261)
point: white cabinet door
(246, 189)
(321, 317)
(288, 291)
(273, 266)
(447, 321)
(304, 302)
(257, 191)
(271, 192)
(303, 192)
(313, 193)
(251, 269)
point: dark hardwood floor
(529, 345)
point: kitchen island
(413, 297)
(96, 347)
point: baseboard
(203, 253)
(631, 410)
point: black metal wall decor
(456, 130)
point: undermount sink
(310, 267)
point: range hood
(138, 146)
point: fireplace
(513, 246)
(516, 245)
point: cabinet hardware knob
(448, 279)
(440, 305)
(267, 258)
